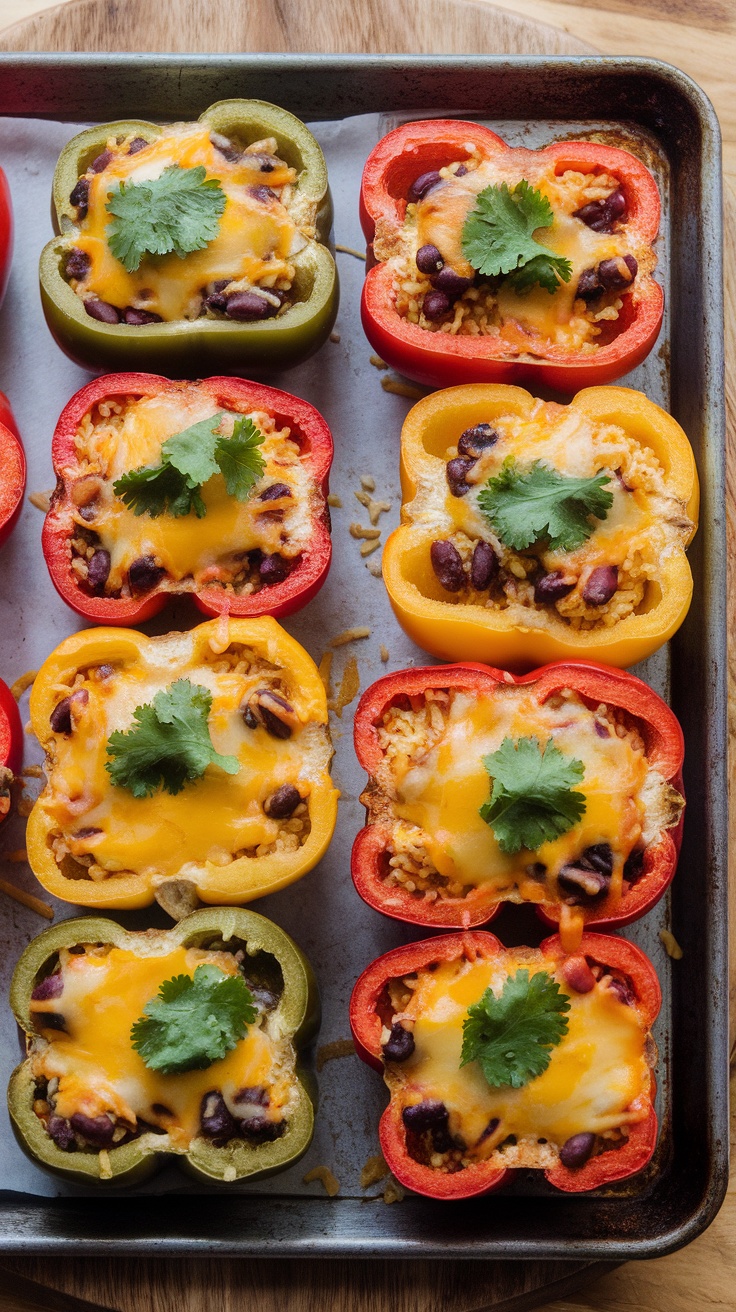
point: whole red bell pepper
(371, 1011)
(12, 469)
(234, 394)
(6, 233)
(594, 684)
(440, 359)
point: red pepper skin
(6, 233)
(11, 731)
(441, 359)
(279, 599)
(366, 1022)
(12, 468)
(595, 683)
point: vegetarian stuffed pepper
(501, 264)
(181, 1042)
(199, 757)
(500, 1058)
(215, 488)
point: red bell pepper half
(235, 394)
(6, 233)
(594, 684)
(11, 745)
(12, 470)
(440, 359)
(370, 1011)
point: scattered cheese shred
(369, 547)
(671, 946)
(325, 1177)
(331, 1051)
(27, 900)
(384, 653)
(368, 482)
(402, 389)
(41, 500)
(357, 531)
(374, 1170)
(23, 682)
(350, 250)
(375, 569)
(335, 337)
(335, 501)
(377, 362)
(349, 686)
(375, 508)
(393, 1193)
(350, 635)
(324, 670)
(32, 772)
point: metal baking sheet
(660, 114)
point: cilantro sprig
(178, 211)
(532, 799)
(511, 1036)
(193, 1021)
(524, 506)
(169, 744)
(498, 238)
(188, 460)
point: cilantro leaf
(531, 801)
(188, 460)
(169, 744)
(178, 211)
(193, 1021)
(530, 505)
(240, 461)
(510, 1036)
(498, 237)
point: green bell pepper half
(189, 348)
(273, 956)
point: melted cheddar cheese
(253, 247)
(99, 1072)
(193, 551)
(597, 1080)
(214, 817)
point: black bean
(136, 318)
(254, 1095)
(95, 1129)
(249, 305)
(272, 711)
(537, 870)
(51, 1020)
(273, 569)
(576, 1150)
(264, 163)
(589, 285)
(88, 832)
(634, 865)
(50, 987)
(476, 440)
(461, 171)
(429, 259)
(144, 574)
(600, 857)
(602, 730)
(264, 998)
(552, 587)
(102, 310)
(451, 283)
(423, 184)
(99, 164)
(250, 718)
(428, 1115)
(582, 880)
(400, 1046)
(262, 193)
(98, 569)
(456, 471)
(484, 566)
(77, 264)
(215, 1119)
(62, 1133)
(622, 991)
(600, 215)
(283, 803)
(275, 491)
(490, 1129)
(260, 1129)
(60, 718)
(225, 147)
(435, 305)
(138, 143)
(447, 565)
(216, 301)
(79, 196)
(617, 273)
(601, 585)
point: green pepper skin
(298, 1012)
(195, 348)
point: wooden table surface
(700, 37)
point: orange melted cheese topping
(439, 791)
(214, 818)
(253, 247)
(194, 552)
(597, 1080)
(99, 1072)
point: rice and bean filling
(432, 783)
(245, 273)
(596, 585)
(92, 1089)
(594, 1089)
(99, 831)
(436, 287)
(239, 546)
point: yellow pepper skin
(236, 881)
(459, 631)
